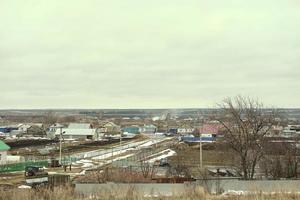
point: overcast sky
(148, 53)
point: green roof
(3, 146)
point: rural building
(3, 152)
(291, 131)
(80, 126)
(36, 130)
(212, 128)
(23, 127)
(148, 129)
(110, 128)
(77, 131)
(131, 129)
(173, 130)
(276, 131)
(185, 129)
(52, 130)
(6, 130)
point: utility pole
(121, 146)
(200, 148)
(60, 142)
(201, 161)
(120, 140)
(60, 146)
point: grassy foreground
(127, 194)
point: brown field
(213, 155)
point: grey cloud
(147, 54)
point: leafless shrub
(246, 123)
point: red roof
(211, 128)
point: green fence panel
(68, 160)
(21, 166)
(39, 163)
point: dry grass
(189, 155)
(129, 193)
(11, 178)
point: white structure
(185, 130)
(52, 130)
(77, 131)
(3, 152)
(22, 128)
(291, 131)
(111, 128)
(149, 129)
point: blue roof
(197, 139)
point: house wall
(186, 130)
(3, 157)
(77, 137)
(148, 130)
(77, 133)
(131, 129)
(112, 129)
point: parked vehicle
(34, 171)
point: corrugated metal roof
(109, 124)
(149, 126)
(3, 146)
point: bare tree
(179, 168)
(281, 160)
(246, 123)
(50, 118)
(148, 169)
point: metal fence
(69, 160)
(21, 166)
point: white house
(3, 152)
(77, 131)
(23, 127)
(52, 130)
(291, 131)
(185, 129)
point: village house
(7, 130)
(77, 131)
(185, 129)
(52, 130)
(213, 128)
(3, 152)
(36, 130)
(110, 128)
(23, 128)
(148, 129)
(131, 129)
(291, 131)
(173, 131)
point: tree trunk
(244, 166)
(253, 168)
